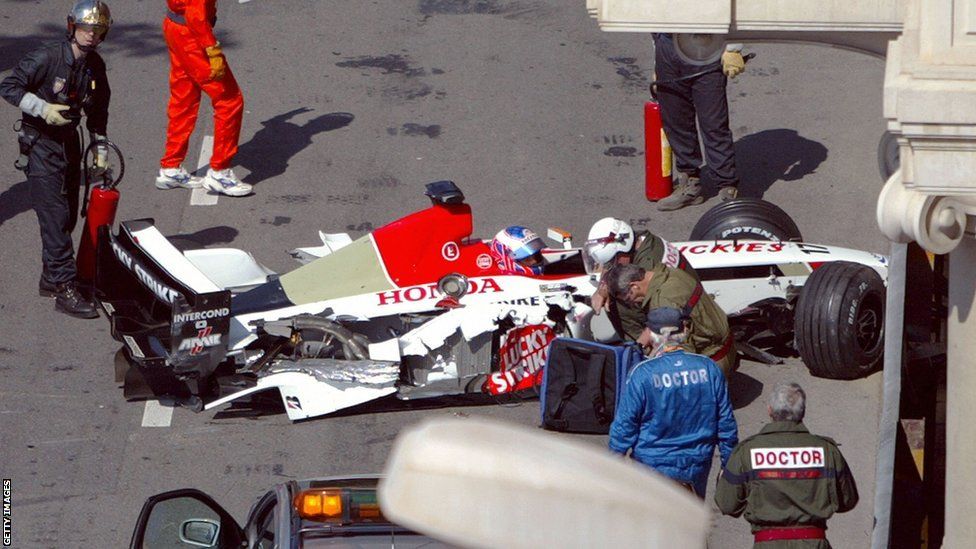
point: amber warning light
(319, 504)
(336, 505)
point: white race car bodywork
(522, 299)
(794, 261)
(403, 333)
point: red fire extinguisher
(657, 150)
(99, 207)
(657, 154)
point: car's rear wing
(163, 308)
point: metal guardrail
(888, 425)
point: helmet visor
(529, 249)
(591, 251)
(97, 29)
(534, 260)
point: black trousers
(681, 102)
(54, 179)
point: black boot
(70, 302)
(46, 289)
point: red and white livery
(416, 308)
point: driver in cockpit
(518, 250)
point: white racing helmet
(518, 250)
(608, 237)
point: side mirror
(184, 518)
(200, 532)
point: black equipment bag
(581, 384)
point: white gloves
(50, 112)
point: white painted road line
(157, 415)
(201, 196)
(66, 440)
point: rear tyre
(839, 322)
(746, 219)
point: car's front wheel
(839, 322)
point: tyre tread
(822, 342)
(745, 210)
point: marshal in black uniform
(54, 86)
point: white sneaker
(225, 182)
(177, 178)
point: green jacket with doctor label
(710, 334)
(786, 477)
(650, 251)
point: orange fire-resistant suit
(188, 28)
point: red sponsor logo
(430, 291)
(521, 357)
(450, 251)
(731, 247)
(483, 262)
(201, 334)
(205, 338)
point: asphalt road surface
(350, 109)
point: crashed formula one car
(418, 308)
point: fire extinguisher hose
(109, 180)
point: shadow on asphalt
(769, 156)
(14, 201)
(210, 236)
(138, 40)
(267, 154)
(744, 389)
(13, 48)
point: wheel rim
(868, 326)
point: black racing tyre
(746, 219)
(889, 158)
(839, 321)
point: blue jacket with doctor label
(674, 410)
